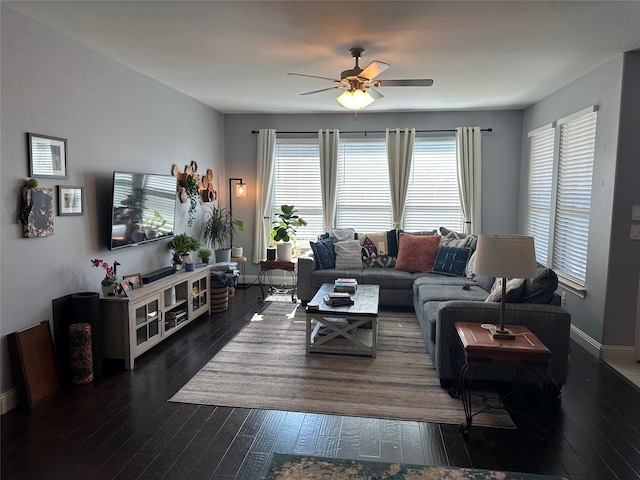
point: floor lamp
(505, 256)
(241, 191)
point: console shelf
(132, 325)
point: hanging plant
(193, 191)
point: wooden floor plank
(121, 425)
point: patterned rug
(298, 467)
(266, 367)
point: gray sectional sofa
(441, 300)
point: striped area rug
(266, 367)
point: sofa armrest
(551, 324)
(306, 267)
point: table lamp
(505, 256)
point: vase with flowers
(110, 281)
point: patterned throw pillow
(417, 253)
(373, 244)
(457, 239)
(348, 254)
(451, 260)
(324, 253)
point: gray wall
(500, 155)
(613, 260)
(113, 119)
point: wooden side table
(526, 353)
(265, 278)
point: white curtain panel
(399, 155)
(264, 176)
(468, 152)
(329, 141)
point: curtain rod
(373, 131)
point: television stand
(157, 275)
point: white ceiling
(235, 55)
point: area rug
(266, 367)
(298, 467)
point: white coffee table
(344, 329)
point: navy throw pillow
(451, 260)
(324, 253)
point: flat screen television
(143, 208)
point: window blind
(540, 191)
(573, 197)
(296, 181)
(364, 198)
(433, 199)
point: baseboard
(618, 353)
(9, 400)
(586, 342)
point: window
(364, 198)
(433, 199)
(573, 197)
(559, 210)
(296, 181)
(540, 183)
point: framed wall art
(70, 200)
(47, 156)
(37, 212)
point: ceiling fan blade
(322, 90)
(374, 93)
(374, 69)
(424, 82)
(313, 76)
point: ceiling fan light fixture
(355, 99)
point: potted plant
(284, 230)
(215, 230)
(153, 224)
(205, 254)
(182, 245)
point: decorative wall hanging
(193, 188)
(47, 156)
(70, 200)
(36, 213)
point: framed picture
(47, 156)
(126, 287)
(135, 280)
(70, 200)
(37, 212)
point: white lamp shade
(356, 99)
(505, 256)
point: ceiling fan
(359, 83)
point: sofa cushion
(451, 260)
(388, 278)
(348, 254)
(417, 253)
(443, 293)
(384, 261)
(514, 290)
(485, 282)
(541, 288)
(324, 253)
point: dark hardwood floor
(121, 426)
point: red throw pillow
(417, 252)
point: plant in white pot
(284, 230)
(182, 246)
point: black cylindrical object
(271, 253)
(85, 308)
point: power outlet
(563, 298)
